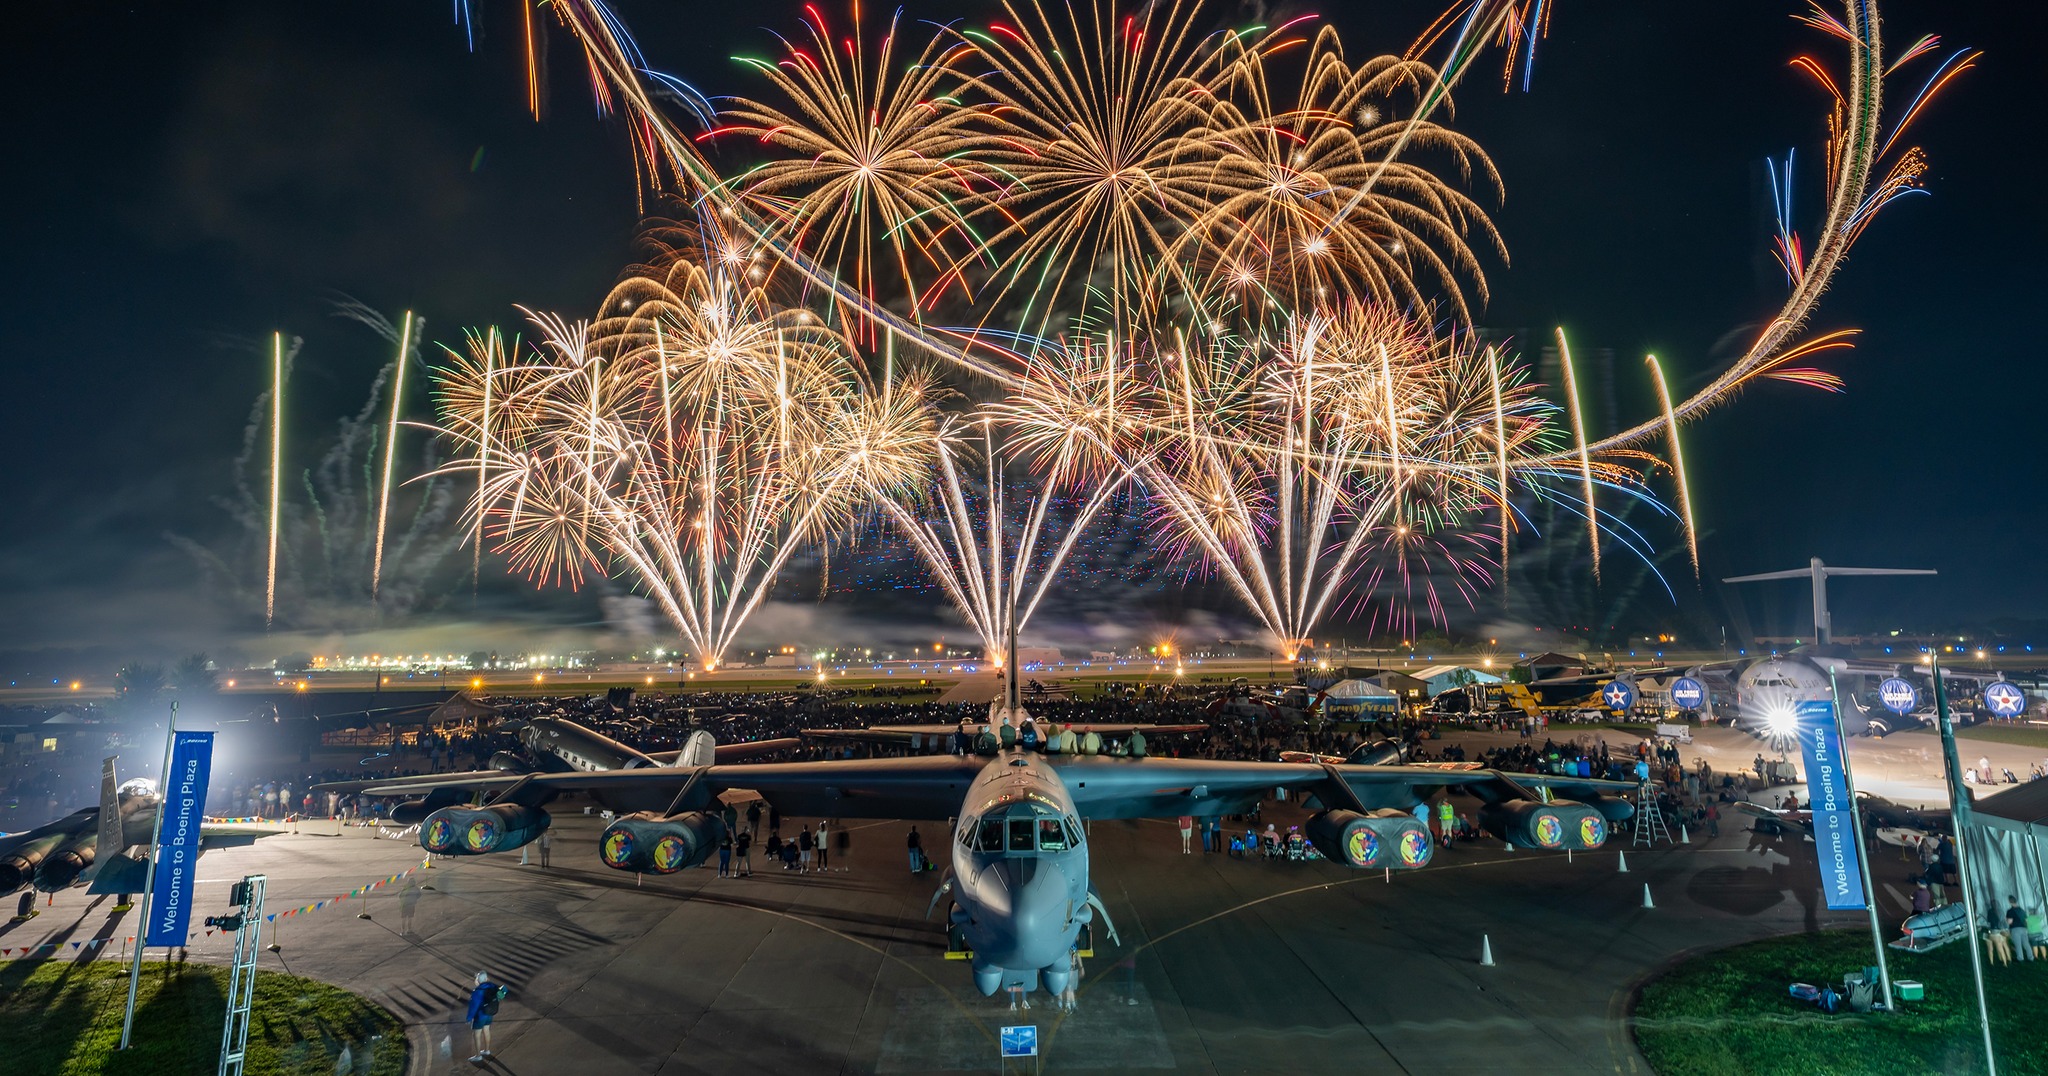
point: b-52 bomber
(1020, 888)
(101, 846)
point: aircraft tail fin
(110, 809)
(699, 750)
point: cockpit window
(1020, 835)
(990, 838)
(1052, 837)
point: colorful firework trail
(1269, 262)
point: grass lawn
(2023, 735)
(60, 1017)
(1730, 1012)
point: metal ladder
(1650, 825)
(234, 1034)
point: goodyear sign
(1827, 789)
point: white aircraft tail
(699, 750)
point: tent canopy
(1361, 693)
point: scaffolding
(248, 923)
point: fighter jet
(1891, 823)
(1020, 889)
(101, 846)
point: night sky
(185, 179)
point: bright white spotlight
(1781, 720)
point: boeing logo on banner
(1688, 693)
(2005, 699)
(1619, 695)
(1829, 800)
(177, 857)
(1898, 696)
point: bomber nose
(1034, 898)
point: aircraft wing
(1169, 787)
(122, 872)
(933, 786)
(905, 734)
(1802, 821)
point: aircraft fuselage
(1020, 869)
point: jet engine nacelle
(415, 812)
(647, 843)
(1613, 808)
(507, 762)
(1383, 838)
(18, 866)
(64, 865)
(1554, 826)
(477, 831)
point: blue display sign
(1620, 695)
(1827, 789)
(1899, 696)
(177, 859)
(2005, 699)
(1021, 1041)
(1688, 693)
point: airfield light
(74, 685)
(1780, 719)
(536, 678)
(1486, 663)
(476, 681)
(650, 679)
(302, 685)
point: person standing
(1187, 834)
(725, 855)
(845, 849)
(483, 1008)
(741, 846)
(805, 845)
(1214, 836)
(2016, 929)
(547, 845)
(824, 850)
(915, 844)
(754, 818)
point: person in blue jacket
(483, 1007)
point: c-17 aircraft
(98, 845)
(1020, 887)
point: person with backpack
(483, 1008)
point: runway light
(74, 684)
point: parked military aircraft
(102, 845)
(1020, 887)
(555, 745)
(1893, 823)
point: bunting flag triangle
(271, 918)
(74, 947)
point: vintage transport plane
(1020, 886)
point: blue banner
(1827, 790)
(177, 860)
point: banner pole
(1959, 818)
(1884, 967)
(156, 833)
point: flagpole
(156, 832)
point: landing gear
(26, 910)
